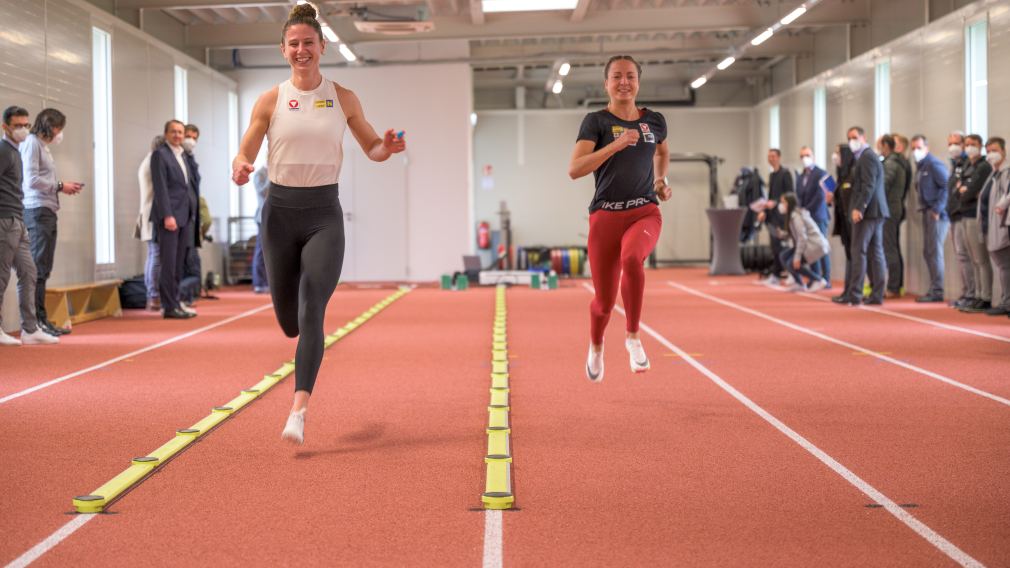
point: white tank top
(305, 136)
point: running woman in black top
(625, 149)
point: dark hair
(858, 129)
(156, 142)
(791, 205)
(997, 141)
(606, 68)
(46, 121)
(776, 150)
(920, 137)
(302, 14)
(974, 137)
(887, 140)
(846, 160)
(171, 122)
(12, 111)
(191, 128)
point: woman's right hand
(241, 172)
(627, 138)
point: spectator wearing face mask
(993, 203)
(191, 135)
(145, 230)
(975, 170)
(809, 245)
(42, 192)
(15, 248)
(812, 185)
(958, 160)
(868, 211)
(895, 185)
(931, 183)
(780, 182)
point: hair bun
(305, 10)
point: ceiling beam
(194, 4)
(579, 13)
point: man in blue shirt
(811, 185)
(931, 181)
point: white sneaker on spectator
(38, 337)
(797, 287)
(818, 286)
(8, 340)
(185, 307)
(594, 365)
(771, 280)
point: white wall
(432, 103)
(48, 64)
(550, 209)
(927, 97)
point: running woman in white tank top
(304, 119)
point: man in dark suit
(810, 194)
(868, 210)
(780, 182)
(174, 213)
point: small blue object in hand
(399, 135)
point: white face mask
(808, 161)
(57, 139)
(994, 158)
(188, 144)
(836, 159)
(782, 208)
(19, 134)
(855, 146)
(955, 150)
(919, 154)
(972, 151)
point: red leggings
(620, 241)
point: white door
(374, 199)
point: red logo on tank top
(293, 104)
(645, 128)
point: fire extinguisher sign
(487, 178)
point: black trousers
(41, 225)
(867, 257)
(173, 248)
(303, 245)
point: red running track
(663, 468)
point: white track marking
(492, 539)
(52, 540)
(845, 344)
(115, 360)
(892, 313)
(920, 528)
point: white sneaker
(38, 337)
(818, 286)
(294, 430)
(797, 287)
(594, 365)
(771, 280)
(8, 340)
(185, 307)
(639, 362)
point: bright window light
(791, 16)
(181, 94)
(527, 5)
(882, 99)
(725, 63)
(329, 33)
(347, 53)
(558, 87)
(762, 38)
(565, 68)
(101, 61)
(774, 128)
(699, 82)
(473, 119)
(976, 80)
(820, 125)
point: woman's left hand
(663, 192)
(393, 143)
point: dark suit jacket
(868, 195)
(173, 196)
(810, 195)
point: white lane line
(931, 536)
(845, 344)
(115, 360)
(892, 313)
(52, 540)
(492, 539)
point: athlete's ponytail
(302, 14)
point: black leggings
(303, 245)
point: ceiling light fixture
(725, 63)
(791, 16)
(347, 53)
(763, 37)
(699, 82)
(558, 87)
(565, 69)
(491, 6)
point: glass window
(105, 227)
(821, 126)
(774, 137)
(181, 94)
(882, 99)
(976, 81)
